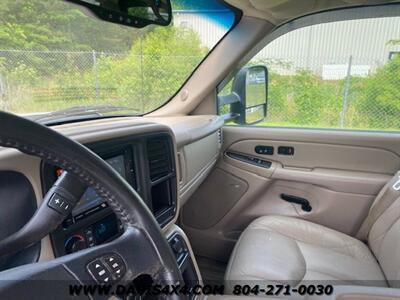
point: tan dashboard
(197, 146)
(197, 138)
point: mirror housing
(133, 13)
(249, 96)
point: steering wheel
(140, 250)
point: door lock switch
(264, 150)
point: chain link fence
(41, 81)
(348, 92)
(334, 92)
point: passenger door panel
(338, 172)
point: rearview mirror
(134, 13)
(248, 98)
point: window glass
(55, 57)
(336, 75)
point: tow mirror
(134, 13)
(248, 98)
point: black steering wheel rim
(55, 148)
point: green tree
(153, 70)
(48, 25)
(307, 97)
(379, 104)
(57, 25)
(394, 42)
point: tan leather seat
(282, 249)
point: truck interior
(234, 177)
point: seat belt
(385, 198)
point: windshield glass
(54, 57)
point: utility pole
(96, 75)
(346, 93)
(310, 30)
(142, 73)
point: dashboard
(165, 159)
(147, 163)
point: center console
(147, 163)
(184, 256)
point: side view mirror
(249, 95)
(134, 13)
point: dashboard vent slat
(158, 158)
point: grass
(255, 94)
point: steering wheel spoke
(119, 262)
(56, 205)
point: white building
(324, 49)
(202, 21)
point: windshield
(54, 57)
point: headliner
(280, 11)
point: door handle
(305, 204)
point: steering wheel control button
(99, 271)
(60, 204)
(107, 269)
(116, 265)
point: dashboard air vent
(158, 156)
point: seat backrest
(382, 230)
